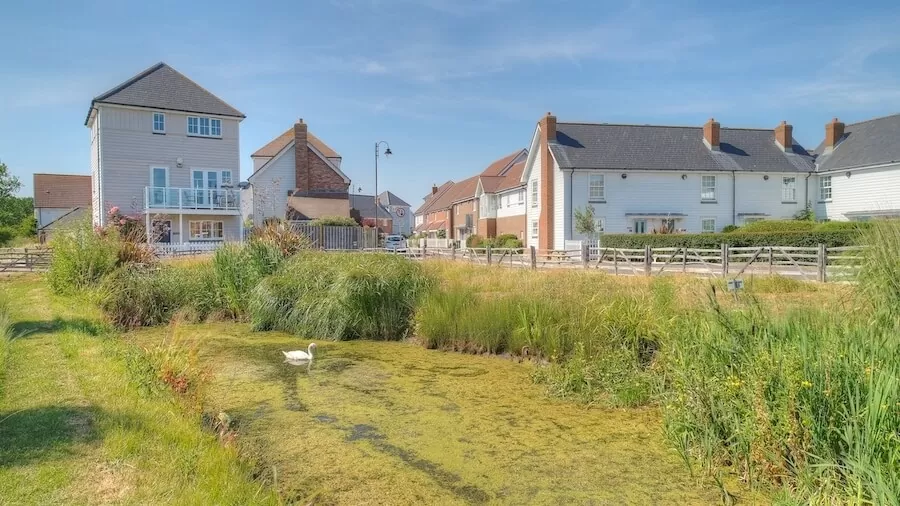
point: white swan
(300, 355)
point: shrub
(740, 238)
(340, 296)
(730, 228)
(474, 241)
(81, 257)
(508, 241)
(136, 295)
(779, 226)
(334, 221)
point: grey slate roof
(389, 199)
(870, 142)
(649, 147)
(365, 204)
(162, 87)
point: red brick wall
(311, 172)
(512, 225)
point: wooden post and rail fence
(817, 263)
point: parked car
(394, 243)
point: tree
(9, 184)
(586, 223)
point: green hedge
(770, 226)
(831, 239)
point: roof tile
(62, 190)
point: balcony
(191, 200)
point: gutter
(570, 215)
(806, 201)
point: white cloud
(373, 67)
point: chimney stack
(545, 240)
(301, 157)
(711, 134)
(784, 136)
(834, 130)
(434, 189)
(548, 125)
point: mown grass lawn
(394, 423)
(75, 428)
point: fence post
(822, 261)
(488, 254)
(533, 257)
(684, 252)
(771, 260)
(585, 254)
(615, 261)
(724, 259)
(648, 260)
(453, 252)
(424, 246)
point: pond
(394, 423)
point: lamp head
(388, 152)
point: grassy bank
(82, 419)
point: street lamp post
(387, 153)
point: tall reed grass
(809, 400)
(340, 296)
(81, 257)
(6, 335)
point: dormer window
(159, 123)
(199, 126)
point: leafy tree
(586, 223)
(807, 214)
(9, 184)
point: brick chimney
(301, 156)
(545, 219)
(834, 130)
(784, 136)
(434, 189)
(711, 134)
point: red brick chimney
(711, 134)
(434, 189)
(784, 136)
(834, 130)
(545, 219)
(301, 156)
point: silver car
(394, 243)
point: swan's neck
(309, 351)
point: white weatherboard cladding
(533, 213)
(96, 207)
(756, 194)
(876, 189)
(129, 148)
(511, 205)
(651, 192)
(560, 207)
(270, 187)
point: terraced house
(475, 205)
(166, 149)
(645, 178)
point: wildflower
(114, 210)
(806, 384)
(122, 221)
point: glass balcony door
(159, 181)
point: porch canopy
(674, 216)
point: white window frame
(534, 193)
(534, 229)
(704, 188)
(521, 196)
(204, 123)
(596, 188)
(703, 221)
(212, 226)
(823, 187)
(161, 117)
(789, 192)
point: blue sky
(450, 84)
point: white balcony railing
(218, 199)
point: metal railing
(166, 197)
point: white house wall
(270, 188)
(756, 194)
(130, 148)
(511, 206)
(532, 213)
(876, 189)
(561, 206)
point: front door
(159, 180)
(640, 226)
